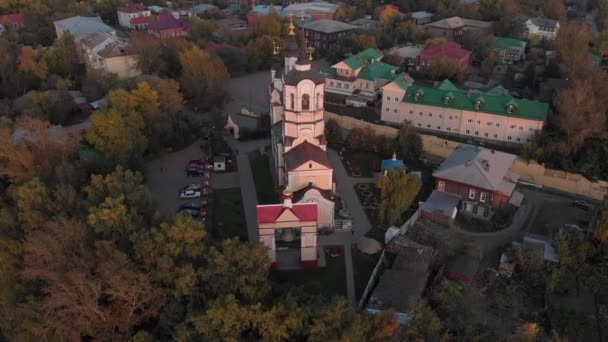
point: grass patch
(329, 280)
(227, 217)
(264, 185)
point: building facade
(494, 115)
(299, 156)
(131, 11)
(357, 80)
(542, 28)
(324, 35)
(454, 27)
(510, 50)
(108, 53)
(482, 178)
(168, 28)
(450, 51)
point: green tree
(62, 57)
(409, 144)
(149, 52)
(397, 192)
(269, 24)
(600, 227)
(425, 324)
(332, 132)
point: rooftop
(310, 8)
(78, 26)
(393, 163)
(132, 7)
(16, 19)
(403, 80)
(448, 50)
(406, 51)
(202, 8)
(328, 26)
(479, 167)
(457, 22)
(505, 43)
(490, 102)
(270, 213)
(441, 202)
(362, 58)
(377, 70)
(305, 152)
(167, 23)
(420, 15)
(544, 22)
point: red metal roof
(303, 211)
(148, 20)
(17, 19)
(450, 50)
(167, 23)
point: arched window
(292, 101)
(305, 102)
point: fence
(374, 276)
(531, 172)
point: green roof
(377, 70)
(505, 43)
(498, 90)
(359, 60)
(594, 58)
(447, 85)
(329, 71)
(403, 80)
(493, 104)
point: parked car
(191, 205)
(581, 204)
(189, 211)
(334, 251)
(190, 193)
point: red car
(334, 251)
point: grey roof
(442, 202)
(244, 121)
(295, 76)
(420, 14)
(329, 26)
(544, 22)
(479, 167)
(455, 22)
(78, 26)
(363, 21)
(202, 8)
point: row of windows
(440, 115)
(483, 196)
(449, 129)
(346, 85)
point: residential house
(404, 280)
(325, 35)
(168, 28)
(316, 10)
(131, 11)
(408, 53)
(104, 51)
(420, 17)
(450, 51)
(260, 11)
(454, 27)
(79, 27)
(142, 23)
(481, 177)
(510, 50)
(365, 24)
(201, 9)
(494, 115)
(357, 80)
(542, 28)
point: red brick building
(450, 51)
(168, 28)
(16, 20)
(482, 178)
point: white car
(190, 193)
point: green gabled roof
(497, 91)
(329, 71)
(505, 43)
(359, 60)
(377, 70)
(403, 80)
(447, 85)
(493, 104)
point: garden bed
(360, 164)
(264, 184)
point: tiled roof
(479, 167)
(359, 60)
(449, 50)
(328, 26)
(505, 43)
(305, 152)
(377, 70)
(493, 104)
(303, 211)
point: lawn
(264, 185)
(226, 215)
(329, 280)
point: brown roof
(133, 8)
(298, 195)
(305, 152)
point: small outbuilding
(440, 207)
(219, 163)
(464, 269)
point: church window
(305, 102)
(292, 101)
(310, 166)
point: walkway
(345, 239)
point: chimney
(287, 199)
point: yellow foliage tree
(397, 192)
(29, 63)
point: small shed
(440, 207)
(219, 163)
(464, 269)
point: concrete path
(346, 190)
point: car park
(190, 193)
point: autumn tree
(573, 50)
(259, 52)
(149, 52)
(600, 228)
(269, 24)
(397, 192)
(441, 69)
(409, 144)
(435, 41)
(201, 29)
(408, 31)
(332, 132)
(203, 78)
(30, 63)
(364, 41)
(34, 150)
(425, 324)
(62, 58)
